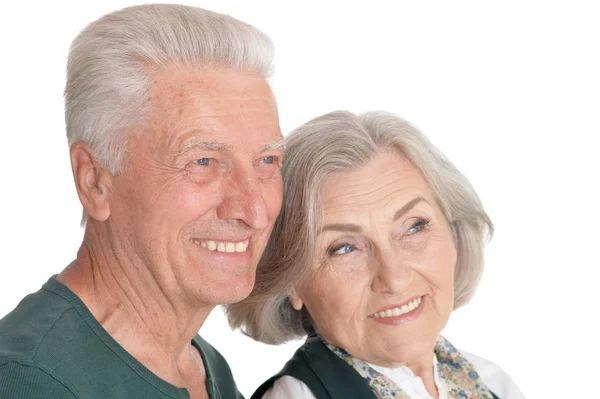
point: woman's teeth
(223, 246)
(400, 310)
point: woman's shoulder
(314, 372)
(496, 379)
(289, 387)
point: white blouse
(493, 376)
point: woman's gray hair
(111, 60)
(343, 141)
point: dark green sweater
(52, 347)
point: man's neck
(132, 306)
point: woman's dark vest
(327, 376)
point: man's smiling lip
(230, 245)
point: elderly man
(176, 152)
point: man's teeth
(223, 246)
(400, 310)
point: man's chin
(237, 295)
(235, 290)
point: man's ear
(91, 180)
(295, 300)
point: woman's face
(381, 285)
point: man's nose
(243, 199)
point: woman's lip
(397, 306)
(403, 318)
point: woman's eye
(344, 249)
(202, 161)
(420, 225)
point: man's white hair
(110, 62)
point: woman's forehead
(388, 180)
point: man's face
(201, 185)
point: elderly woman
(380, 237)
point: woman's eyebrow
(411, 204)
(354, 228)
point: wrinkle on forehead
(178, 87)
(201, 105)
(384, 193)
(371, 189)
(208, 112)
(238, 113)
(209, 102)
(225, 84)
(369, 186)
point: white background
(510, 91)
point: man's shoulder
(24, 329)
(27, 380)
(51, 339)
(23, 334)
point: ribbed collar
(58, 288)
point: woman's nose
(392, 274)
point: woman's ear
(91, 181)
(296, 301)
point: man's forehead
(225, 111)
(214, 112)
(207, 83)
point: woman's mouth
(399, 310)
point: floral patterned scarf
(457, 373)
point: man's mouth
(222, 246)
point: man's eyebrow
(217, 146)
(353, 228)
(275, 145)
(411, 204)
(207, 145)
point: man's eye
(268, 160)
(202, 161)
(344, 249)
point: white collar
(411, 383)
